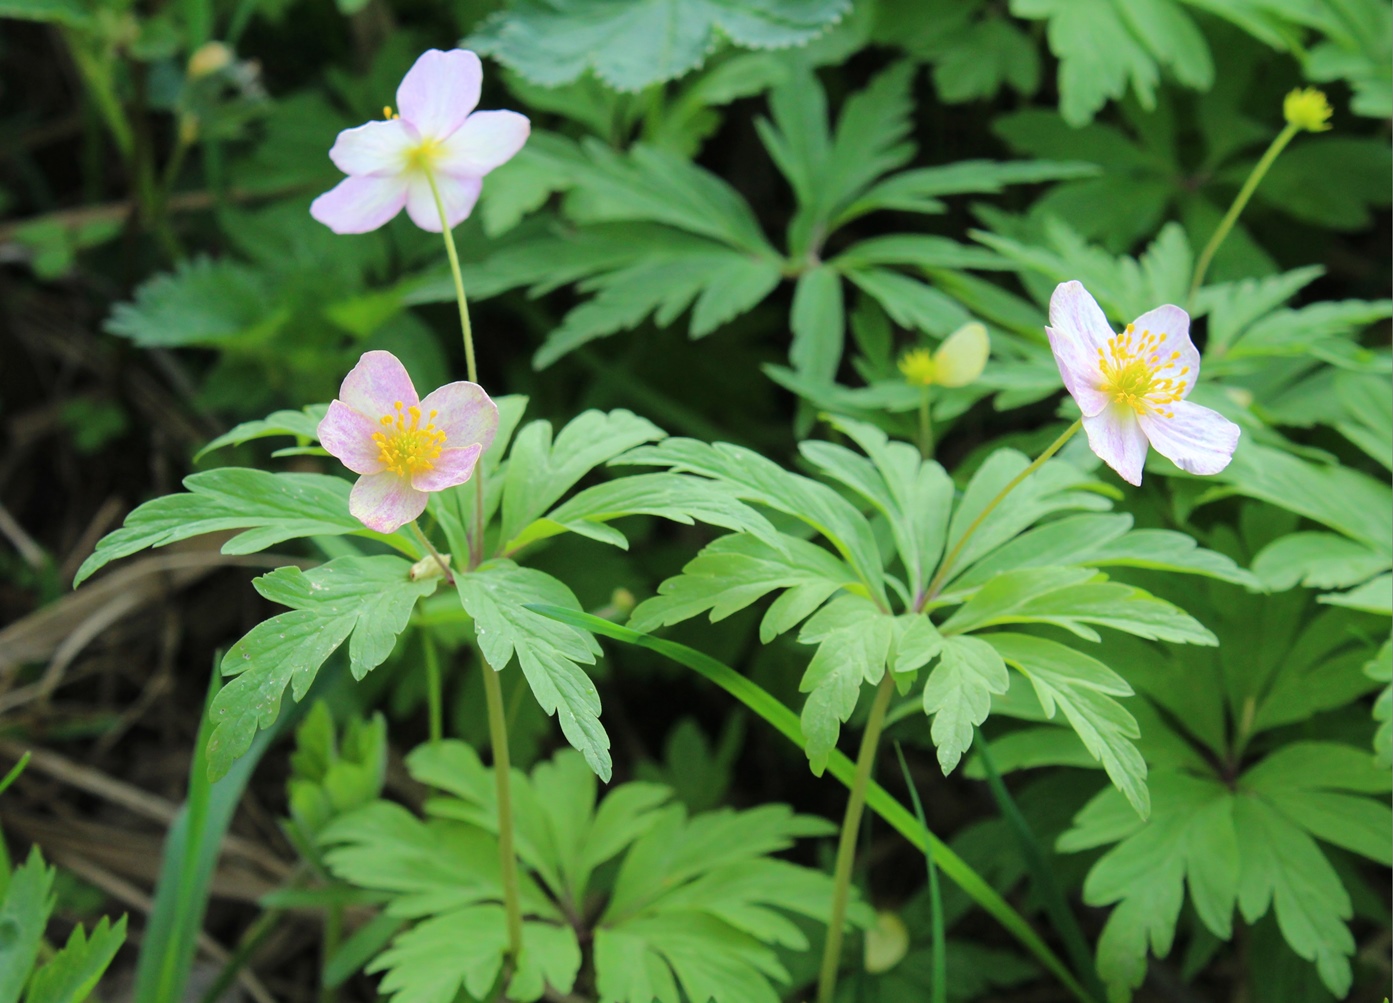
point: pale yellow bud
(209, 58)
(918, 367)
(962, 356)
(1307, 108)
(428, 567)
(886, 943)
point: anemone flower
(434, 145)
(403, 446)
(1131, 387)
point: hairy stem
(1244, 194)
(846, 844)
(502, 769)
(936, 584)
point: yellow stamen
(409, 447)
(387, 112)
(1132, 371)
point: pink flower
(391, 164)
(1131, 387)
(403, 446)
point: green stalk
(1244, 194)
(846, 844)
(936, 584)
(476, 543)
(502, 769)
(926, 426)
(434, 701)
(493, 691)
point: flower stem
(502, 770)
(926, 426)
(846, 844)
(453, 255)
(1244, 194)
(476, 541)
(936, 584)
(434, 690)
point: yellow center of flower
(421, 157)
(1307, 109)
(918, 367)
(407, 448)
(1132, 368)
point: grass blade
(190, 856)
(1041, 873)
(757, 699)
(938, 936)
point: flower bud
(208, 59)
(962, 356)
(1307, 108)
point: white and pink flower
(403, 446)
(434, 138)
(1131, 387)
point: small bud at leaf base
(886, 943)
(962, 356)
(1307, 108)
(428, 567)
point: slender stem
(936, 584)
(333, 935)
(450, 252)
(434, 690)
(926, 426)
(502, 768)
(846, 845)
(430, 549)
(476, 540)
(1244, 194)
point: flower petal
(347, 434)
(1076, 315)
(466, 414)
(486, 140)
(439, 91)
(357, 205)
(375, 385)
(385, 502)
(1117, 438)
(1197, 440)
(1172, 326)
(377, 148)
(457, 193)
(452, 466)
(1078, 367)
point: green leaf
(71, 13)
(958, 694)
(736, 570)
(1105, 45)
(24, 914)
(271, 508)
(854, 641)
(464, 949)
(755, 478)
(303, 424)
(818, 320)
(74, 971)
(679, 498)
(633, 45)
(1070, 598)
(1083, 688)
(919, 189)
(203, 302)
(1380, 669)
(549, 653)
(541, 470)
(1282, 867)
(1316, 560)
(364, 600)
(915, 495)
(909, 302)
